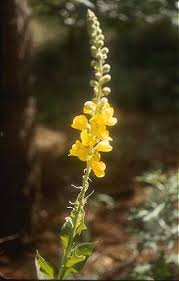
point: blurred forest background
(44, 80)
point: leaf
(73, 260)
(72, 264)
(80, 225)
(85, 249)
(79, 257)
(44, 270)
(66, 232)
(81, 222)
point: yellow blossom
(98, 168)
(79, 150)
(87, 138)
(103, 146)
(80, 122)
(98, 127)
(107, 115)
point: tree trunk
(16, 116)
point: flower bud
(93, 27)
(97, 24)
(96, 90)
(93, 63)
(101, 37)
(99, 56)
(93, 48)
(93, 51)
(104, 57)
(104, 101)
(99, 31)
(98, 75)
(93, 35)
(93, 83)
(106, 78)
(106, 91)
(100, 43)
(105, 50)
(106, 68)
(89, 107)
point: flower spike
(98, 113)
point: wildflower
(80, 122)
(98, 113)
(94, 139)
(79, 150)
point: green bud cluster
(99, 54)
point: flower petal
(98, 168)
(112, 121)
(103, 146)
(96, 157)
(80, 122)
(87, 138)
(79, 150)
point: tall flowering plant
(94, 138)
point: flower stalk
(82, 202)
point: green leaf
(84, 249)
(44, 270)
(72, 264)
(73, 260)
(66, 232)
(78, 258)
(81, 222)
(80, 225)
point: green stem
(100, 69)
(71, 240)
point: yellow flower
(98, 127)
(79, 150)
(98, 167)
(107, 115)
(80, 122)
(103, 146)
(87, 138)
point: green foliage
(156, 227)
(44, 270)
(79, 256)
(75, 254)
(66, 232)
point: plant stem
(81, 197)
